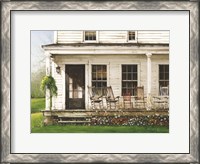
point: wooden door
(75, 86)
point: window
(131, 36)
(129, 79)
(99, 77)
(163, 75)
(90, 36)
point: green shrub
(36, 78)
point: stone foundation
(112, 117)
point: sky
(39, 38)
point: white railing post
(149, 104)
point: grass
(37, 104)
(36, 120)
(100, 129)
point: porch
(126, 117)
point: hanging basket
(49, 83)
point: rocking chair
(164, 91)
(127, 101)
(162, 101)
(95, 99)
(111, 99)
(139, 99)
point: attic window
(131, 36)
(90, 36)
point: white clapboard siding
(64, 37)
(112, 36)
(115, 73)
(69, 37)
(153, 37)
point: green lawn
(37, 104)
(99, 129)
(36, 120)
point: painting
(101, 79)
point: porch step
(73, 122)
(77, 116)
(74, 119)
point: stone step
(75, 116)
(74, 122)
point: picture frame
(8, 7)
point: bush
(36, 78)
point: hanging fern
(49, 83)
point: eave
(108, 48)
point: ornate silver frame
(7, 7)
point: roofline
(104, 44)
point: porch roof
(105, 44)
(106, 48)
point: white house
(121, 59)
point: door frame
(66, 86)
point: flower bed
(140, 120)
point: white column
(148, 73)
(149, 104)
(48, 72)
(53, 74)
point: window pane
(90, 35)
(135, 68)
(123, 68)
(129, 76)
(167, 76)
(130, 85)
(135, 84)
(166, 68)
(98, 75)
(134, 76)
(70, 94)
(123, 85)
(75, 94)
(93, 84)
(104, 76)
(104, 68)
(161, 68)
(131, 35)
(99, 78)
(123, 92)
(129, 79)
(129, 68)
(123, 76)
(94, 68)
(163, 75)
